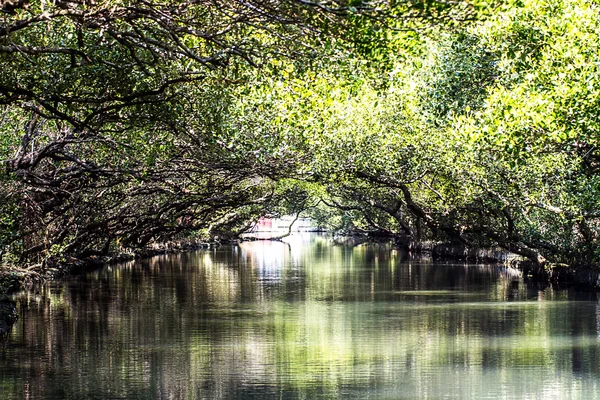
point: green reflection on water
(307, 319)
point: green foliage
(144, 124)
(9, 220)
(458, 72)
(487, 136)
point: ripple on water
(304, 320)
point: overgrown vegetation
(126, 123)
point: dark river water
(306, 319)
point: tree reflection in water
(304, 319)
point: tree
(117, 127)
(487, 138)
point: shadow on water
(8, 317)
(308, 318)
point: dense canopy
(124, 123)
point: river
(309, 318)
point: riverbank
(14, 278)
(584, 277)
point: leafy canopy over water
(127, 123)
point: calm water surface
(303, 319)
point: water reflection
(303, 319)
